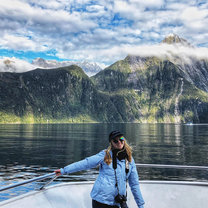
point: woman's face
(118, 143)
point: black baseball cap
(114, 134)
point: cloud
(148, 4)
(98, 9)
(129, 11)
(42, 19)
(193, 14)
(100, 31)
(20, 43)
(26, 27)
(169, 51)
(14, 65)
(54, 4)
(195, 18)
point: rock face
(136, 89)
(175, 39)
(158, 90)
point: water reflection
(27, 151)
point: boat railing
(30, 181)
(137, 164)
(172, 166)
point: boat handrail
(192, 183)
(172, 166)
(28, 181)
(137, 164)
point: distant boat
(189, 123)
(157, 194)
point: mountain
(19, 66)
(193, 68)
(65, 94)
(146, 89)
(170, 89)
(175, 39)
(89, 68)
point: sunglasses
(120, 139)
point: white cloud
(95, 8)
(167, 50)
(149, 3)
(195, 18)
(129, 11)
(13, 64)
(44, 20)
(54, 4)
(20, 43)
(193, 13)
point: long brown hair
(108, 158)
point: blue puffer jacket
(104, 189)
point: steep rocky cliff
(157, 89)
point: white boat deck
(157, 194)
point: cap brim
(116, 135)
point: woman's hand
(58, 172)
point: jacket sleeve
(87, 163)
(134, 185)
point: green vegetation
(120, 66)
(146, 90)
(9, 118)
(30, 119)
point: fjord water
(28, 151)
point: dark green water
(28, 151)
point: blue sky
(101, 31)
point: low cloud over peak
(170, 50)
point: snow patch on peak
(176, 39)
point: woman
(116, 167)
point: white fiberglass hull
(157, 194)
